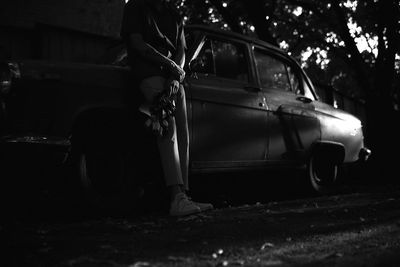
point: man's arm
(179, 56)
(179, 59)
(149, 52)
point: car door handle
(304, 99)
(263, 103)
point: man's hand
(177, 72)
(149, 52)
(172, 87)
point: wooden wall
(100, 17)
(62, 30)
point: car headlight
(8, 72)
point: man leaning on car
(153, 32)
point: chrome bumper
(364, 154)
(35, 139)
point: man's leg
(181, 204)
(167, 144)
(183, 135)
(169, 154)
(183, 142)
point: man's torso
(159, 28)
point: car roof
(232, 34)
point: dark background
(366, 83)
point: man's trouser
(174, 145)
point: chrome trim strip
(36, 139)
(254, 164)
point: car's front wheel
(322, 173)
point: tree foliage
(323, 35)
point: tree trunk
(381, 115)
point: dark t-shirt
(162, 30)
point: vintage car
(250, 106)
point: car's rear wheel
(105, 177)
(322, 173)
(115, 160)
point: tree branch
(356, 58)
(257, 12)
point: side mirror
(196, 65)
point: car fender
(96, 122)
(333, 151)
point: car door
(292, 121)
(229, 120)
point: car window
(294, 81)
(223, 59)
(275, 73)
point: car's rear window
(274, 73)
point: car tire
(322, 174)
(116, 164)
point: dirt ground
(357, 228)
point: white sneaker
(182, 206)
(203, 206)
